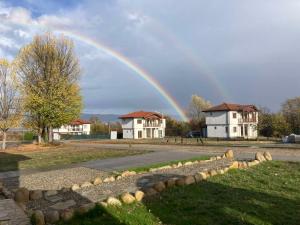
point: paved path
(161, 153)
(12, 214)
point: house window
(234, 129)
(139, 121)
(226, 129)
(234, 115)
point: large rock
(171, 182)
(220, 171)
(67, 214)
(97, 181)
(109, 179)
(150, 192)
(75, 187)
(159, 186)
(188, 163)
(180, 182)
(189, 180)
(50, 193)
(36, 194)
(229, 154)
(268, 156)
(63, 205)
(127, 198)
(85, 208)
(139, 195)
(234, 165)
(202, 175)
(38, 217)
(86, 184)
(260, 157)
(22, 195)
(128, 173)
(52, 216)
(212, 172)
(243, 164)
(113, 201)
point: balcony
(152, 125)
(247, 120)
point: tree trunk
(40, 136)
(50, 136)
(3, 140)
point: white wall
(216, 131)
(214, 118)
(127, 133)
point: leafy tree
(265, 126)
(291, 112)
(195, 111)
(272, 124)
(49, 71)
(97, 127)
(280, 126)
(175, 127)
(10, 103)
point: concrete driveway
(165, 153)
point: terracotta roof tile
(142, 114)
(80, 122)
(232, 107)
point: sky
(234, 51)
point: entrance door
(140, 134)
(246, 130)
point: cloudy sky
(236, 51)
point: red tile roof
(232, 107)
(80, 122)
(142, 114)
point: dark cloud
(238, 51)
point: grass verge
(267, 194)
(55, 156)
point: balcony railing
(151, 125)
(247, 120)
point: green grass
(262, 195)
(156, 165)
(55, 156)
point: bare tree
(10, 104)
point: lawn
(55, 156)
(266, 194)
(157, 165)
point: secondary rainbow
(137, 69)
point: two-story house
(232, 121)
(138, 125)
(77, 127)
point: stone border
(127, 173)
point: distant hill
(103, 117)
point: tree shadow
(214, 203)
(10, 176)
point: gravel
(54, 179)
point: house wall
(218, 121)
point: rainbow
(131, 65)
(194, 58)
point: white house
(232, 121)
(77, 127)
(138, 125)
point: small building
(232, 121)
(77, 127)
(138, 125)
